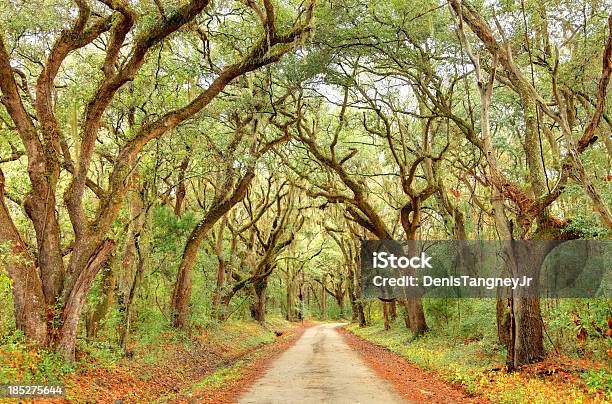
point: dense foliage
(179, 164)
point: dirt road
(320, 368)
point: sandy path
(320, 368)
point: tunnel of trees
(196, 161)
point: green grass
(221, 376)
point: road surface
(320, 368)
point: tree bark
(406, 316)
(181, 189)
(219, 285)
(413, 304)
(129, 305)
(526, 327)
(323, 298)
(385, 307)
(503, 318)
(528, 333)
(258, 308)
(76, 300)
(28, 297)
(393, 310)
(351, 292)
(289, 314)
(221, 269)
(338, 295)
(416, 315)
(137, 216)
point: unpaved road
(320, 368)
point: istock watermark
(386, 260)
(527, 268)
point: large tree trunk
(339, 296)
(76, 300)
(258, 308)
(528, 333)
(503, 318)
(182, 288)
(361, 315)
(357, 313)
(526, 328)
(354, 311)
(28, 298)
(219, 284)
(351, 293)
(137, 220)
(416, 315)
(413, 304)
(406, 316)
(40, 207)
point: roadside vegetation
(162, 364)
(461, 351)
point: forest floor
(472, 372)
(211, 366)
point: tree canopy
(185, 157)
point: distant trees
(231, 188)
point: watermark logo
(527, 268)
(387, 260)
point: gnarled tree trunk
(258, 307)
(77, 297)
(28, 297)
